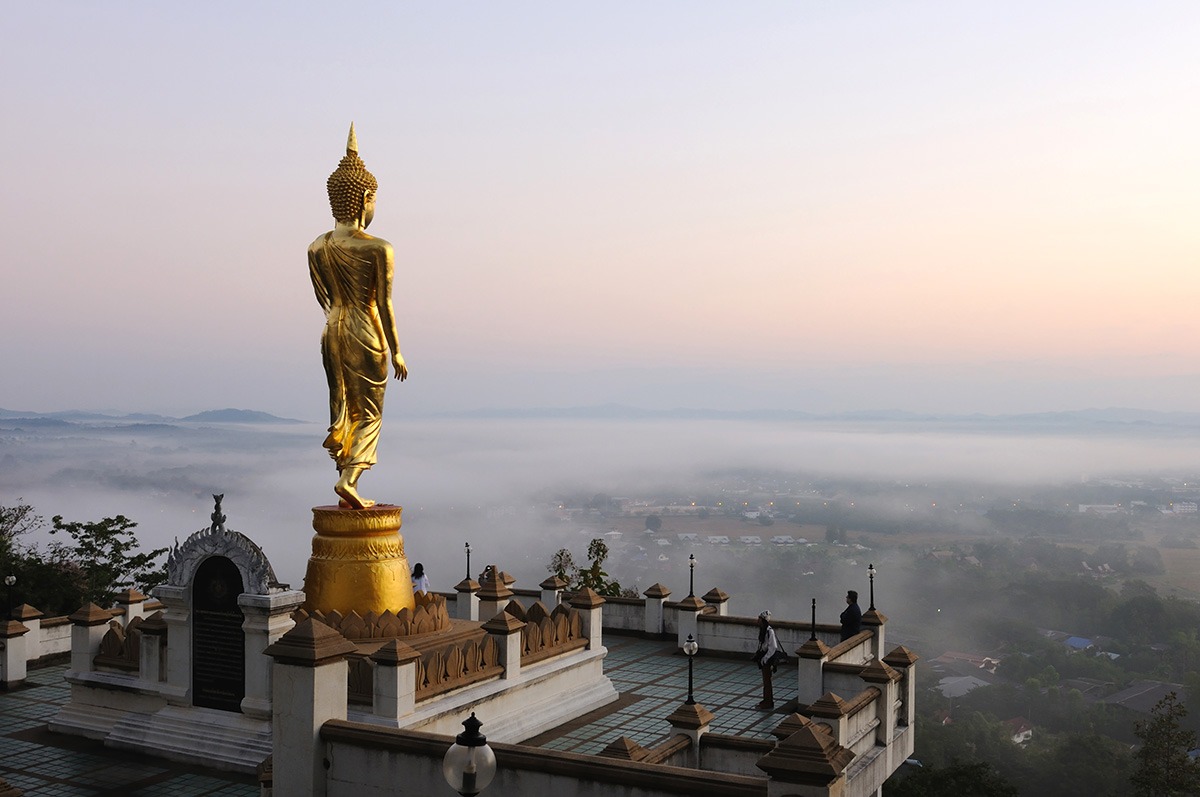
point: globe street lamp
(8, 582)
(470, 764)
(871, 573)
(691, 575)
(689, 649)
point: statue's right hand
(400, 367)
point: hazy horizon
(452, 474)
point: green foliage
(1079, 765)
(17, 520)
(653, 522)
(593, 576)
(14, 522)
(562, 564)
(103, 558)
(1163, 766)
(977, 779)
(107, 553)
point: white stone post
(688, 619)
(178, 688)
(693, 721)
(12, 652)
(656, 598)
(904, 661)
(810, 678)
(31, 618)
(150, 655)
(466, 605)
(494, 594)
(875, 620)
(552, 589)
(308, 689)
(507, 631)
(831, 710)
(266, 619)
(884, 678)
(90, 623)
(718, 599)
(808, 763)
(395, 687)
(589, 604)
(134, 604)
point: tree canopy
(102, 558)
(1164, 768)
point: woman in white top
(420, 580)
(766, 657)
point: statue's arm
(318, 282)
(387, 313)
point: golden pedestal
(357, 562)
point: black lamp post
(8, 582)
(470, 764)
(871, 573)
(689, 649)
(691, 575)
(813, 638)
(468, 561)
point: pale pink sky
(923, 206)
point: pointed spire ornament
(349, 183)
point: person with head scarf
(767, 657)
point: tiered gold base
(357, 562)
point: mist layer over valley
(853, 491)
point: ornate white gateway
(202, 690)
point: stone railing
(453, 666)
(29, 637)
(437, 671)
(121, 646)
(547, 632)
(363, 759)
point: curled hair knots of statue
(347, 186)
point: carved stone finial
(218, 519)
(184, 558)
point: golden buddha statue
(352, 275)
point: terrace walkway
(651, 677)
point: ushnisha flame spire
(349, 183)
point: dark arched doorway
(218, 642)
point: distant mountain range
(1114, 416)
(209, 416)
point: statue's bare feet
(345, 488)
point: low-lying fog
(491, 482)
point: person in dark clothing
(767, 658)
(852, 617)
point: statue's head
(351, 187)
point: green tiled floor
(48, 765)
(655, 676)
